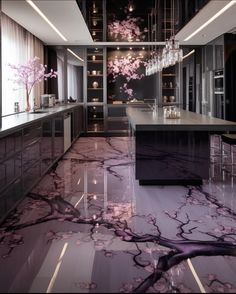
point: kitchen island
(173, 151)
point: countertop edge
(23, 116)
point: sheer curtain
(60, 63)
(18, 46)
(73, 80)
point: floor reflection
(89, 227)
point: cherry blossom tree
(129, 68)
(30, 74)
(126, 30)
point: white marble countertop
(145, 119)
(18, 120)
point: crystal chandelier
(154, 63)
(170, 54)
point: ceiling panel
(64, 14)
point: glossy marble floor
(88, 227)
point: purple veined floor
(88, 227)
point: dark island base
(182, 182)
(172, 157)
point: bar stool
(229, 139)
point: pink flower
(31, 74)
(126, 29)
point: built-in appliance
(47, 100)
(219, 82)
(218, 102)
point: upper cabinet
(170, 85)
(95, 19)
(95, 75)
(214, 54)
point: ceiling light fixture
(232, 2)
(73, 53)
(30, 2)
(131, 6)
(94, 8)
(188, 54)
(171, 53)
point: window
(18, 46)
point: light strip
(55, 274)
(79, 200)
(232, 2)
(73, 53)
(196, 276)
(190, 53)
(30, 2)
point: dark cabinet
(10, 171)
(222, 75)
(77, 122)
(10, 197)
(95, 89)
(31, 155)
(58, 138)
(213, 100)
(95, 116)
(27, 154)
(46, 145)
(230, 76)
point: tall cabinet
(170, 86)
(95, 89)
(219, 75)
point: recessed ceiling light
(30, 2)
(73, 53)
(232, 2)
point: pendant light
(171, 53)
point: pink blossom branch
(31, 74)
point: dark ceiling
(136, 20)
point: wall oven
(219, 101)
(219, 82)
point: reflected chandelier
(170, 54)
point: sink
(147, 110)
(39, 112)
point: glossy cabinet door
(28, 153)
(58, 138)
(95, 89)
(31, 155)
(46, 145)
(10, 171)
(170, 86)
(77, 122)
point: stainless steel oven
(219, 82)
(219, 101)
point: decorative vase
(95, 84)
(27, 109)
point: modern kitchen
(117, 146)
